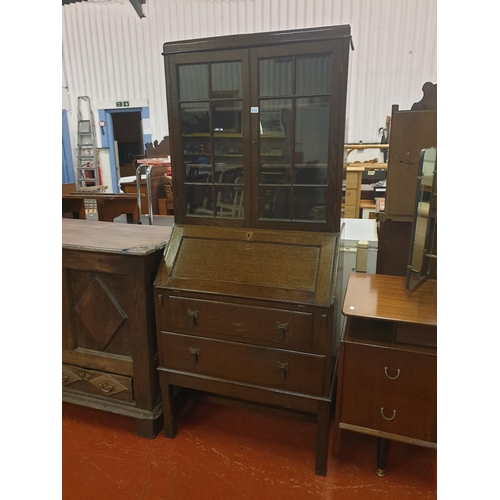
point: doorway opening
(125, 134)
(127, 130)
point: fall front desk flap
(284, 266)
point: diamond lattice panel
(100, 312)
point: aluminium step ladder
(88, 174)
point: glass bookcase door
(294, 94)
(212, 124)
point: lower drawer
(262, 366)
(403, 416)
(97, 383)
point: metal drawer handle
(195, 352)
(393, 414)
(387, 375)
(283, 367)
(282, 328)
(64, 378)
(106, 387)
(193, 317)
(84, 375)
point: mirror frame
(416, 277)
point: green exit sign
(122, 104)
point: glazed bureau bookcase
(245, 293)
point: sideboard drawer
(399, 415)
(392, 371)
(261, 366)
(289, 329)
(97, 383)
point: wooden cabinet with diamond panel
(109, 351)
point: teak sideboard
(109, 354)
(387, 376)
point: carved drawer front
(96, 383)
(404, 416)
(249, 323)
(391, 371)
(276, 368)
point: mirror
(423, 253)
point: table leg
(169, 417)
(382, 454)
(322, 437)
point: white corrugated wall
(110, 54)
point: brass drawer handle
(85, 375)
(283, 367)
(387, 375)
(106, 387)
(282, 328)
(193, 317)
(64, 378)
(195, 352)
(393, 414)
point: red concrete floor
(225, 452)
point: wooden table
(109, 354)
(109, 206)
(388, 362)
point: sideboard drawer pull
(85, 375)
(106, 387)
(64, 378)
(193, 317)
(283, 367)
(282, 328)
(393, 413)
(387, 375)
(195, 352)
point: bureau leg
(169, 417)
(322, 437)
(148, 428)
(382, 454)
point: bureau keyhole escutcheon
(283, 368)
(393, 414)
(195, 353)
(388, 376)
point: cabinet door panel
(296, 164)
(210, 103)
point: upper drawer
(261, 366)
(247, 323)
(391, 371)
